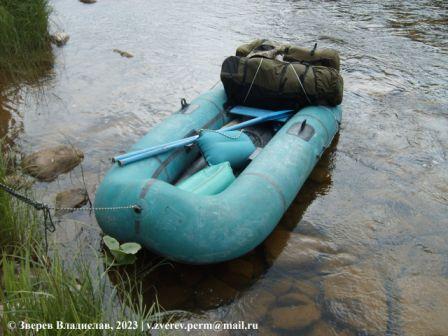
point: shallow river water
(363, 248)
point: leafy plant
(124, 254)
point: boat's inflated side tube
(201, 229)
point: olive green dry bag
(315, 56)
(275, 84)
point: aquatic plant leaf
(111, 243)
(130, 248)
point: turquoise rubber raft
(202, 229)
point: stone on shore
(47, 164)
(59, 38)
(73, 198)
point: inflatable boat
(154, 210)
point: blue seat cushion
(221, 146)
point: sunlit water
(362, 250)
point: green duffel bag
(259, 45)
(315, 56)
(276, 85)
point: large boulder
(47, 164)
(356, 297)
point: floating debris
(123, 53)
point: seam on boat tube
(273, 184)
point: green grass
(40, 289)
(25, 49)
(17, 220)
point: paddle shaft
(131, 157)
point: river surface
(363, 248)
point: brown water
(362, 249)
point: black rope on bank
(48, 220)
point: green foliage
(124, 254)
(39, 289)
(25, 49)
(18, 226)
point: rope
(300, 82)
(46, 209)
(253, 80)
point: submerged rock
(257, 304)
(424, 302)
(322, 328)
(47, 164)
(294, 251)
(73, 198)
(356, 298)
(123, 53)
(59, 38)
(332, 262)
(294, 317)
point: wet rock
(294, 251)
(356, 298)
(282, 286)
(257, 303)
(315, 243)
(59, 38)
(309, 229)
(306, 287)
(212, 292)
(123, 53)
(73, 198)
(423, 302)
(88, 1)
(294, 317)
(47, 164)
(332, 262)
(293, 299)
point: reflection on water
(362, 249)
